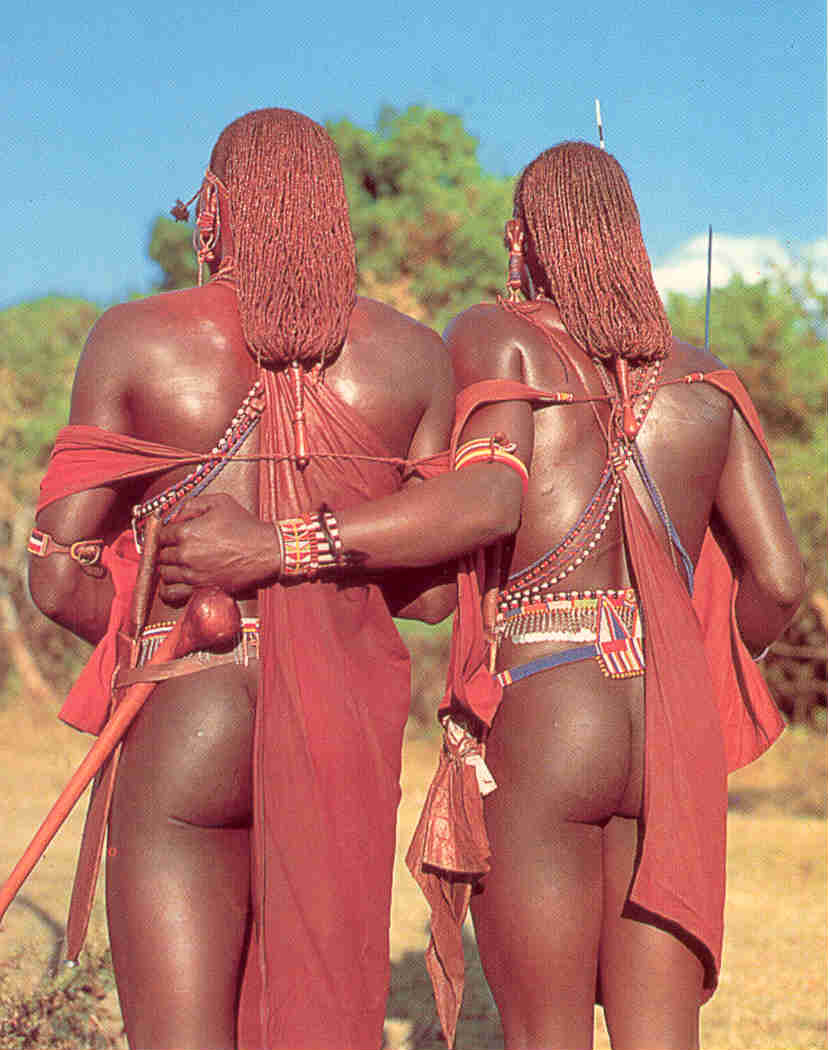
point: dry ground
(773, 989)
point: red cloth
(334, 698)
(83, 458)
(708, 711)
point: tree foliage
(426, 217)
(39, 347)
(772, 334)
(171, 246)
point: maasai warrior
(624, 706)
(613, 707)
(251, 834)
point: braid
(293, 245)
(584, 231)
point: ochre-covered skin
(567, 747)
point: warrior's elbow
(786, 588)
(52, 590)
(504, 509)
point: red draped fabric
(334, 697)
(708, 712)
(333, 702)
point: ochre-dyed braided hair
(293, 245)
(584, 233)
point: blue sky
(716, 110)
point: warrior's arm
(760, 541)
(72, 595)
(423, 525)
(428, 594)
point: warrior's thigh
(651, 980)
(178, 867)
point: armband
(310, 545)
(494, 449)
(84, 552)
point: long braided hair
(294, 251)
(584, 234)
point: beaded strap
(494, 449)
(242, 424)
(84, 552)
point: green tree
(427, 219)
(171, 246)
(39, 346)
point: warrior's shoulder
(374, 321)
(488, 316)
(382, 315)
(161, 310)
(686, 359)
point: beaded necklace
(533, 581)
(241, 426)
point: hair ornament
(514, 237)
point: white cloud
(754, 258)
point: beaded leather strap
(84, 552)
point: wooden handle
(142, 594)
(211, 618)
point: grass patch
(67, 1011)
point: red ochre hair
(584, 231)
(293, 245)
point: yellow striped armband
(494, 449)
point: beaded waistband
(538, 615)
(245, 649)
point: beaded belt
(609, 620)
(537, 615)
(245, 650)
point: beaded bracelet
(310, 545)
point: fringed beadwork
(245, 649)
(538, 614)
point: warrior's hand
(213, 540)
